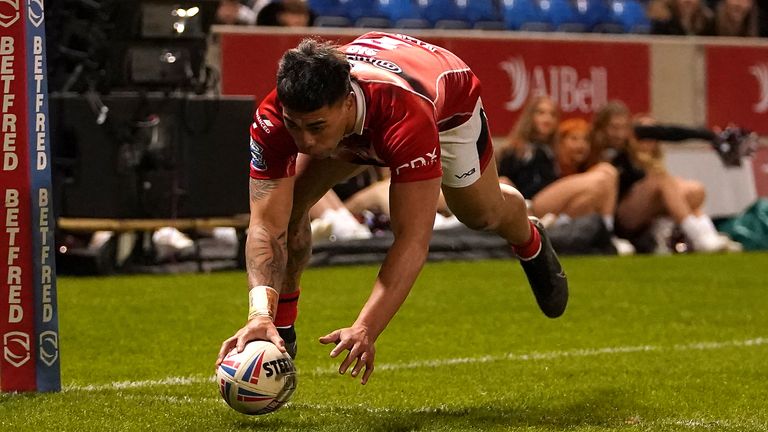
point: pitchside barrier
(29, 330)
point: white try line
(533, 356)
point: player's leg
(472, 192)
(580, 194)
(314, 177)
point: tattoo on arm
(266, 257)
(259, 189)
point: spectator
(646, 190)
(736, 18)
(550, 170)
(527, 159)
(331, 219)
(233, 12)
(286, 13)
(681, 17)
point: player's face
(574, 146)
(318, 133)
(544, 119)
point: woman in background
(646, 190)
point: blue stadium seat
(452, 24)
(436, 10)
(332, 21)
(629, 14)
(475, 10)
(413, 23)
(356, 9)
(557, 12)
(515, 13)
(325, 7)
(397, 10)
(590, 12)
(373, 22)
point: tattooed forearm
(261, 188)
(265, 257)
(299, 251)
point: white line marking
(533, 356)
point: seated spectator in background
(233, 12)
(286, 13)
(681, 17)
(579, 191)
(646, 190)
(550, 169)
(332, 220)
(736, 18)
(527, 160)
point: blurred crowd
(740, 18)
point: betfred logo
(9, 12)
(49, 347)
(35, 11)
(561, 83)
(16, 348)
(760, 71)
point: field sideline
(648, 344)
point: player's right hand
(258, 328)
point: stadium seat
(489, 25)
(572, 27)
(436, 10)
(452, 24)
(536, 26)
(413, 23)
(397, 10)
(517, 12)
(356, 9)
(557, 12)
(332, 21)
(629, 14)
(475, 10)
(590, 12)
(373, 22)
(325, 7)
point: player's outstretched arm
(265, 259)
(413, 207)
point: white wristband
(262, 301)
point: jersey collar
(361, 108)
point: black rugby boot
(289, 336)
(546, 276)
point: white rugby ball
(258, 380)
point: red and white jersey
(407, 92)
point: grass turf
(648, 343)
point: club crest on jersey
(257, 157)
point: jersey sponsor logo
(382, 64)
(9, 12)
(49, 347)
(264, 122)
(16, 348)
(428, 159)
(257, 157)
(418, 42)
(760, 71)
(561, 83)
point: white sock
(608, 221)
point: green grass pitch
(647, 344)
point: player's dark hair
(312, 75)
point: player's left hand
(361, 348)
